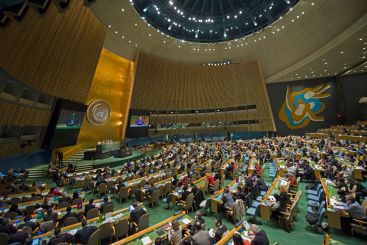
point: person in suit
(60, 157)
(82, 235)
(136, 213)
(260, 236)
(105, 203)
(50, 216)
(89, 206)
(201, 237)
(151, 189)
(60, 237)
(14, 208)
(198, 219)
(6, 227)
(175, 180)
(220, 229)
(18, 237)
(69, 214)
(185, 192)
(29, 223)
(64, 198)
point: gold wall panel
(112, 83)
(168, 85)
(56, 52)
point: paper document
(146, 240)
(186, 221)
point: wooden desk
(118, 215)
(225, 239)
(176, 196)
(216, 199)
(265, 210)
(135, 238)
(334, 217)
(351, 138)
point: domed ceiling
(301, 40)
(211, 21)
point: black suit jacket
(71, 214)
(104, 205)
(260, 239)
(136, 214)
(59, 238)
(184, 195)
(82, 235)
(88, 207)
(19, 236)
(8, 229)
(219, 233)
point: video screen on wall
(70, 119)
(65, 124)
(139, 121)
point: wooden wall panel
(166, 85)
(15, 114)
(57, 52)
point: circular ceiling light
(211, 21)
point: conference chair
(108, 209)
(187, 204)
(142, 224)
(141, 183)
(25, 199)
(15, 200)
(167, 188)
(10, 215)
(107, 232)
(79, 184)
(121, 228)
(360, 226)
(30, 209)
(205, 188)
(94, 238)
(63, 204)
(161, 190)
(70, 221)
(123, 194)
(154, 198)
(4, 238)
(77, 201)
(314, 192)
(92, 213)
(102, 189)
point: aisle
(302, 235)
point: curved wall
(167, 85)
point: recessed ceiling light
(360, 39)
(136, 24)
(123, 10)
(342, 52)
(312, 4)
(109, 26)
(116, 32)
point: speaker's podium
(107, 149)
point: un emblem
(98, 113)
